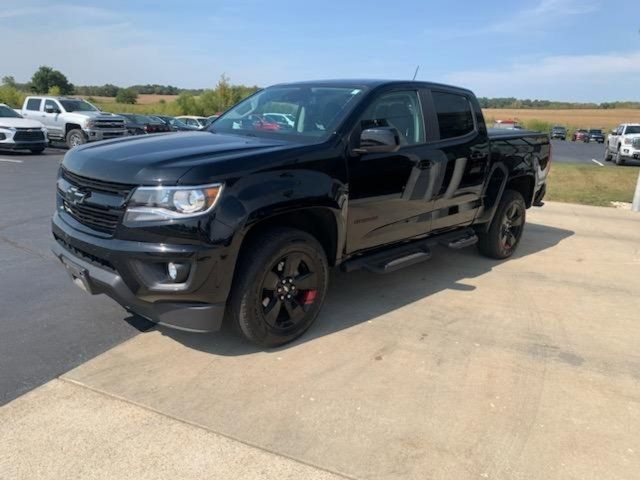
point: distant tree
(55, 91)
(9, 81)
(47, 77)
(11, 96)
(127, 95)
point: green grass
(591, 185)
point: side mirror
(51, 110)
(613, 132)
(378, 139)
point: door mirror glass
(379, 139)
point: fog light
(178, 272)
(172, 269)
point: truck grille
(28, 135)
(102, 218)
(636, 143)
(109, 124)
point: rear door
(389, 196)
(32, 109)
(460, 157)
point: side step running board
(391, 259)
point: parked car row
(75, 121)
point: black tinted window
(33, 104)
(454, 114)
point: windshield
(77, 106)
(303, 112)
(6, 112)
(596, 132)
(633, 129)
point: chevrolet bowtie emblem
(75, 196)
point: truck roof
(371, 83)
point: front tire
(279, 287)
(76, 138)
(504, 234)
(619, 158)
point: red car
(581, 135)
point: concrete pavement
(459, 368)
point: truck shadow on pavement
(361, 296)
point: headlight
(156, 204)
(89, 124)
(627, 141)
(12, 129)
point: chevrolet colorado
(243, 221)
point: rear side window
(455, 117)
(33, 104)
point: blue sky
(578, 50)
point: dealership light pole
(635, 206)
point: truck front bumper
(93, 135)
(630, 152)
(117, 269)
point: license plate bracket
(79, 275)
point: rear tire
(279, 287)
(75, 138)
(504, 234)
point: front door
(52, 121)
(390, 193)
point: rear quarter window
(455, 117)
(34, 104)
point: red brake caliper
(308, 297)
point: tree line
(207, 101)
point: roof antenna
(416, 73)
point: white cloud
(603, 77)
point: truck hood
(19, 123)
(161, 158)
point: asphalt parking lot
(45, 329)
(582, 153)
(459, 368)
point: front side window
(300, 112)
(399, 110)
(51, 104)
(455, 117)
(33, 104)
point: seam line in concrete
(203, 427)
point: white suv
(623, 143)
(17, 133)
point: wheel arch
(322, 222)
(71, 126)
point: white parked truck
(73, 120)
(17, 133)
(623, 143)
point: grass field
(588, 118)
(591, 185)
(143, 99)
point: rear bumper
(117, 269)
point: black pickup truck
(243, 221)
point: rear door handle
(424, 164)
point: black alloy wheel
(289, 290)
